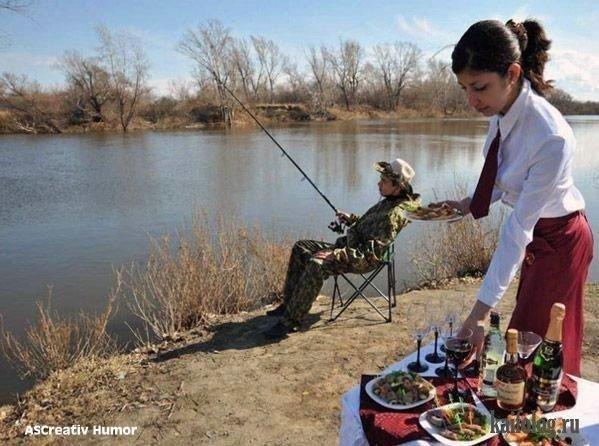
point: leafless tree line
(256, 67)
(111, 86)
(116, 76)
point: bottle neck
(494, 327)
(511, 358)
(554, 331)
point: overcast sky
(32, 42)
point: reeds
(461, 249)
(217, 270)
(56, 342)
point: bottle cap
(558, 311)
(511, 338)
(495, 318)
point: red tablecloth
(387, 427)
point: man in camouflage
(359, 251)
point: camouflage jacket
(368, 236)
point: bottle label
(545, 391)
(489, 375)
(510, 393)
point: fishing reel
(337, 226)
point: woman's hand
(324, 255)
(477, 340)
(463, 205)
(475, 322)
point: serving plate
(430, 214)
(369, 390)
(435, 431)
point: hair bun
(519, 31)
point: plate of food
(400, 390)
(433, 212)
(458, 424)
(543, 430)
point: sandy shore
(230, 386)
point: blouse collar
(507, 121)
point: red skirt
(555, 268)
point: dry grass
(182, 286)
(461, 249)
(56, 342)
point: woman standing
(528, 165)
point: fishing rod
(334, 226)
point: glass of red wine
(458, 348)
(444, 371)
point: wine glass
(451, 318)
(436, 325)
(458, 347)
(420, 328)
(527, 343)
(445, 331)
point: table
(351, 433)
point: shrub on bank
(57, 342)
(188, 280)
(461, 249)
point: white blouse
(534, 178)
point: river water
(74, 206)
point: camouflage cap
(397, 169)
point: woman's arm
(546, 166)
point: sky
(33, 42)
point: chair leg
(393, 281)
(359, 291)
(390, 292)
(335, 290)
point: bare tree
(296, 82)
(127, 67)
(17, 6)
(28, 104)
(180, 89)
(90, 81)
(442, 88)
(271, 60)
(319, 67)
(395, 64)
(347, 67)
(243, 62)
(210, 47)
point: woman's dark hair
(489, 45)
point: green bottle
(548, 363)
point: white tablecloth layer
(351, 433)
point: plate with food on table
(400, 390)
(458, 424)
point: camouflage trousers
(305, 278)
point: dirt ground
(230, 386)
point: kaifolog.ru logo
(535, 425)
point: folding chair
(388, 261)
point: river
(74, 206)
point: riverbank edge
(51, 392)
(268, 114)
(94, 391)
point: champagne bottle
(548, 363)
(510, 378)
(492, 358)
